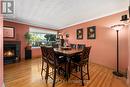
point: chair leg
(54, 77)
(69, 68)
(47, 71)
(88, 71)
(82, 76)
(66, 74)
(79, 68)
(59, 70)
(76, 68)
(42, 67)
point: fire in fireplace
(9, 53)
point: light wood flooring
(27, 74)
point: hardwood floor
(27, 74)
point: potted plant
(27, 36)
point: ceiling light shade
(117, 27)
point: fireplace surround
(11, 51)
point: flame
(9, 53)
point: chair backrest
(44, 52)
(86, 52)
(62, 42)
(81, 46)
(55, 45)
(73, 45)
(51, 57)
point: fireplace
(11, 52)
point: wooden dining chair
(55, 45)
(76, 58)
(54, 62)
(73, 45)
(83, 62)
(44, 59)
(80, 46)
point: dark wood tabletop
(68, 52)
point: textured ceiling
(57, 14)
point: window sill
(35, 47)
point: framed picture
(79, 33)
(91, 32)
(8, 32)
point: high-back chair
(54, 62)
(77, 58)
(83, 62)
(44, 58)
(73, 45)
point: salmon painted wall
(104, 46)
(20, 30)
(1, 50)
(36, 52)
(129, 57)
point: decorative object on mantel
(79, 33)
(91, 32)
(27, 36)
(117, 27)
(8, 32)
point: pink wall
(129, 57)
(1, 50)
(36, 52)
(104, 46)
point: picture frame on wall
(79, 33)
(8, 32)
(91, 32)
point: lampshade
(117, 27)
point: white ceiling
(57, 14)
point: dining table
(68, 53)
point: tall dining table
(68, 53)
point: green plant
(28, 36)
(50, 37)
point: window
(42, 37)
